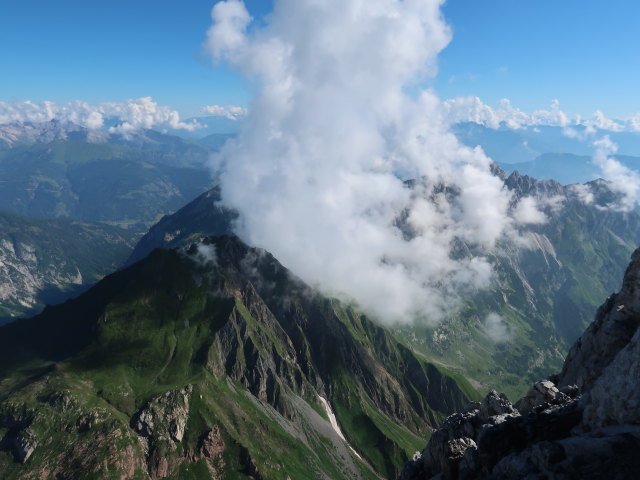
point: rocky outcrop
(165, 417)
(583, 423)
(161, 425)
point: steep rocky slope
(212, 363)
(48, 261)
(583, 423)
(544, 295)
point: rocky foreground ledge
(583, 423)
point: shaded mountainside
(583, 423)
(545, 294)
(130, 180)
(213, 363)
(47, 261)
(200, 218)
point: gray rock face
(539, 394)
(588, 428)
(615, 323)
(615, 396)
(24, 445)
(165, 417)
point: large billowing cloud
(130, 114)
(317, 171)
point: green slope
(181, 367)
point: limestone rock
(495, 404)
(24, 445)
(541, 393)
(615, 397)
(165, 417)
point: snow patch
(334, 424)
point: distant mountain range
(129, 179)
(566, 168)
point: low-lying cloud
(496, 328)
(318, 169)
(622, 180)
(141, 113)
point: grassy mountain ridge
(205, 366)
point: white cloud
(526, 212)
(623, 180)
(132, 114)
(634, 122)
(206, 254)
(601, 122)
(473, 109)
(231, 112)
(318, 166)
(496, 328)
(583, 192)
(554, 203)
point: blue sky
(584, 53)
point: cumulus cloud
(583, 193)
(622, 180)
(526, 212)
(131, 114)
(496, 328)
(318, 168)
(231, 112)
(473, 109)
(601, 122)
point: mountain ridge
(194, 337)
